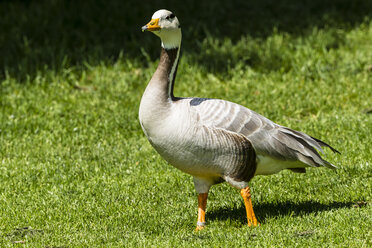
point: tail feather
(307, 153)
(322, 143)
(309, 140)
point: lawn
(77, 171)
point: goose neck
(165, 74)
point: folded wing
(267, 137)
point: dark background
(56, 34)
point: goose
(216, 140)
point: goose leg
(246, 194)
(202, 204)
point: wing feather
(266, 137)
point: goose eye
(171, 16)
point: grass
(77, 171)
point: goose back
(268, 138)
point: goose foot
(246, 194)
(199, 228)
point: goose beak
(153, 25)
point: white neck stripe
(172, 72)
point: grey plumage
(213, 139)
(268, 138)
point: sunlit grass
(77, 171)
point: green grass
(77, 171)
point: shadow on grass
(18, 235)
(268, 210)
(59, 34)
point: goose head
(165, 25)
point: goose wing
(233, 152)
(267, 137)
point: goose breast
(201, 149)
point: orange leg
(202, 204)
(246, 194)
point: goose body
(215, 140)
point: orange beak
(152, 25)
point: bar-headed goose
(215, 140)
